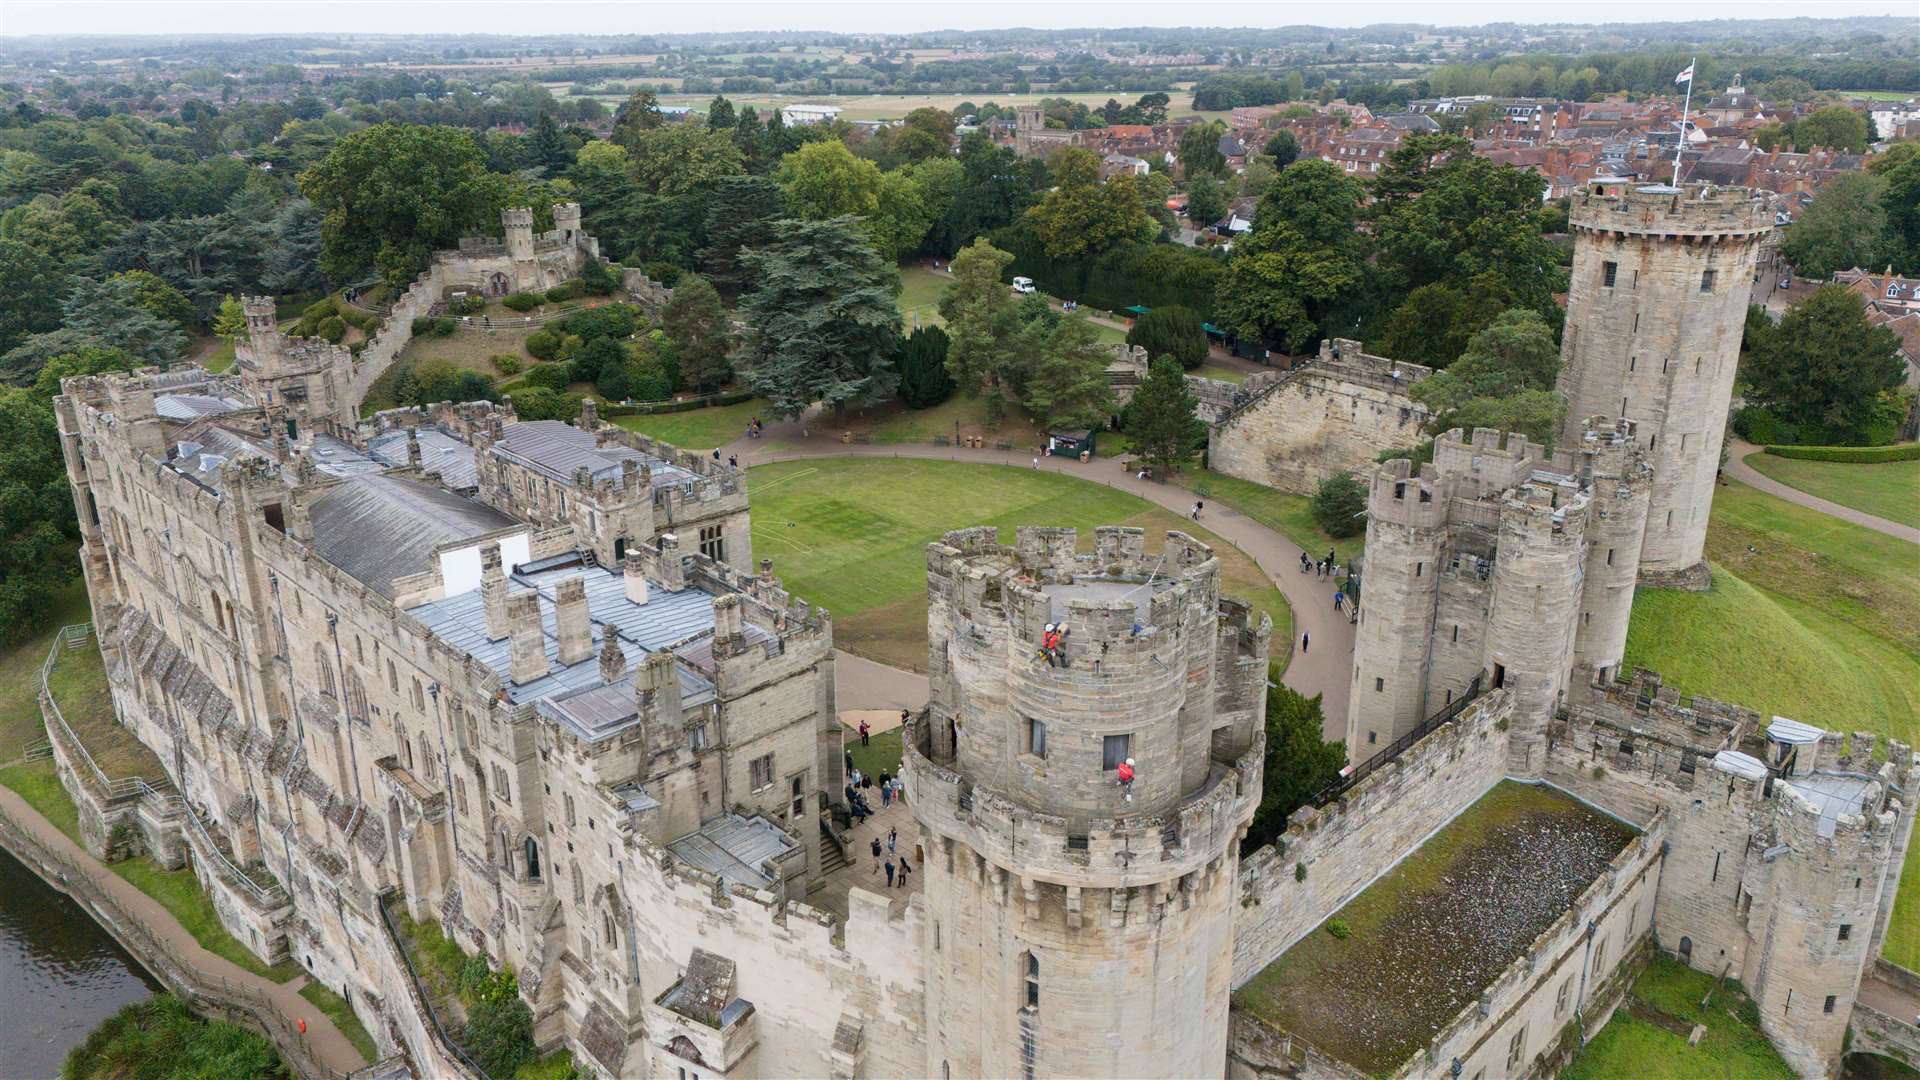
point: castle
(527, 681)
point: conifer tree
(821, 321)
(1160, 418)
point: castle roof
(1835, 795)
(439, 452)
(556, 450)
(378, 528)
(735, 847)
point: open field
(1642, 1040)
(1879, 95)
(921, 288)
(897, 106)
(850, 534)
(1289, 515)
(1888, 489)
(1373, 984)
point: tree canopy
(1845, 227)
(821, 321)
(1824, 367)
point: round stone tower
(1536, 598)
(1615, 474)
(1655, 311)
(1074, 927)
(518, 223)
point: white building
(801, 115)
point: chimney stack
(613, 661)
(636, 576)
(413, 448)
(589, 414)
(493, 591)
(529, 657)
(673, 573)
(570, 621)
(656, 685)
(729, 622)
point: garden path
(1738, 468)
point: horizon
(21, 19)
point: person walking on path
(866, 729)
(905, 869)
(889, 872)
(892, 836)
(875, 846)
(1304, 641)
(849, 754)
(1306, 564)
(1339, 601)
(1197, 506)
(733, 461)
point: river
(61, 974)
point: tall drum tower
(1655, 311)
(1073, 927)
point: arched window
(533, 860)
(1033, 981)
(579, 884)
(426, 757)
(506, 850)
(1686, 950)
(356, 696)
(324, 670)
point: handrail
(239, 877)
(122, 787)
(1398, 746)
(420, 989)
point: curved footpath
(1326, 668)
(1738, 468)
(323, 1040)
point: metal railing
(266, 896)
(1398, 746)
(447, 1043)
(124, 787)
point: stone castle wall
(1362, 834)
(1330, 418)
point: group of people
(1328, 567)
(884, 856)
(753, 428)
(733, 460)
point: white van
(1023, 284)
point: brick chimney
(493, 591)
(613, 660)
(570, 620)
(529, 660)
(635, 576)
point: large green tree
(996, 187)
(1302, 259)
(1900, 200)
(740, 215)
(821, 321)
(1504, 380)
(1199, 149)
(697, 324)
(1083, 217)
(824, 180)
(678, 158)
(1460, 217)
(1206, 199)
(1159, 420)
(1845, 227)
(31, 285)
(924, 381)
(1835, 127)
(992, 344)
(911, 199)
(1299, 763)
(1825, 367)
(1434, 323)
(391, 195)
(1068, 387)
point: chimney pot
(493, 592)
(635, 577)
(529, 650)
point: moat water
(61, 974)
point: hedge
(652, 408)
(1857, 455)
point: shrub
(551, 376)
(596, 278)
(361, 319)
(1171, 331)
(922, 362)
(597, 359)
(1339, 506)
(609, 320)
(1761, 426)
(470, 304)
(308, 326)
(543, 344)
(566, 290)
(523, 301)
(320, 309)
(662, 273)
(1299, 871)
(542, 403)
(333, 328)
(435, 327)
(499, 1035)
(1858, 455)
(506, 363)
(1339, 929)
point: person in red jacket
(1125, 774)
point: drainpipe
(340, 665)
(446, 764)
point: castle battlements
(1697, 211)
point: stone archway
(1686, 950)
(497, 284)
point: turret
(518, 224)
(566, 219)
(1614, 472)
(263, 329)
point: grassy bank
(1289, 515)
(161, 1037)
(1889, 489)
(698, 429)
(1648, 1035)
(851, 534)
(336, 1009)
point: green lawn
(894, 423)
(881, 754)
(1888, 489)
(921, 288)
(1808, 617)
(1214, 370)
(343, 1017)
(1636, 1045)
(1289, 515)
(39, 785)
(20, 725)
(79, 686)
(850, 534)
(698, 429)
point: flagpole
(1681, 144)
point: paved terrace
(1435, 931)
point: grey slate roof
(336, 457)
(186, 408)
(1836, 794)
(210, 448)
(555, 449)
(439, 452)
(378, 528)
(734, 847)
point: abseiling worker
(1125, 775)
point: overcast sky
(887, 16)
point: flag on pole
(1685, 76)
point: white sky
(19, 17)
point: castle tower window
(1846, 931)
(797, 791)
(1033, 981)
(1379, 685)
(569, 802)
(1706, 281)
(697, 738)
(1516, 1049)
(760, 772)
(1828, 1007)
(1115, 749)
(1560, 998)
(712, 543)
(1037, 738)
(533, 859)
(1609, 271)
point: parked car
(1023, 284)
